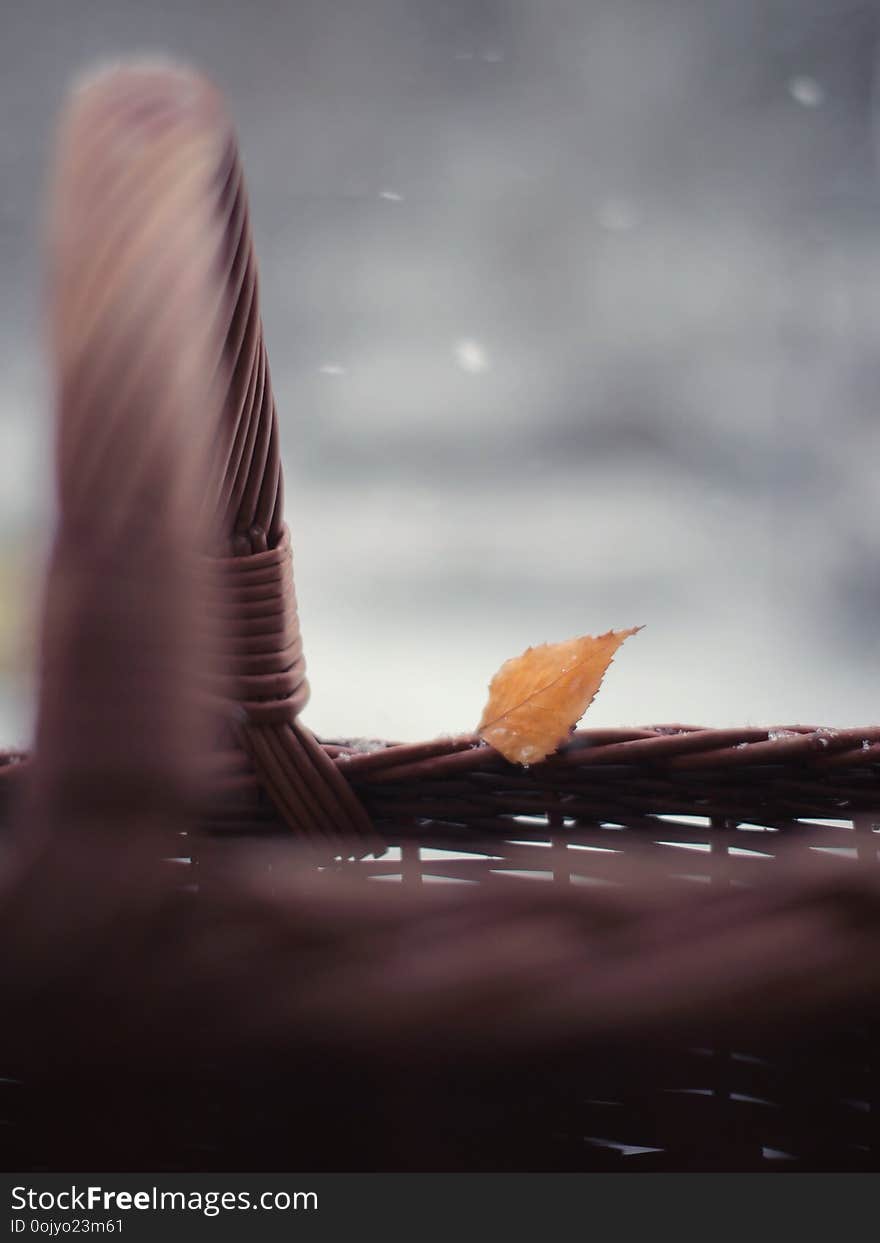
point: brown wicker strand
(262, 658)
(139, 391)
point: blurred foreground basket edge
(154, 307)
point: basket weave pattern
(156, 315)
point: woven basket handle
(168, 437)
(257, 600)
(135, 351)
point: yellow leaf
(536, 699)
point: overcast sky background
(573, 309)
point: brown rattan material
(261, 648)
(203, 969)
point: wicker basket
(714, 1006)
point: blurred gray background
(573, 309)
